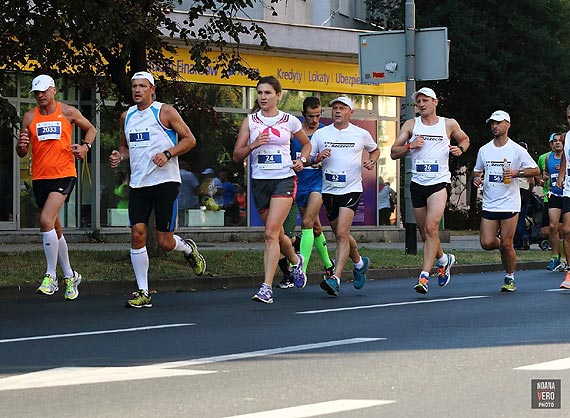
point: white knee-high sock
(139, 259)
(51, 249)
(181, 245)
(63, 257)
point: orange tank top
(51, 137)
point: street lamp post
(410, 36)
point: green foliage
(504, 55)
(102, 42)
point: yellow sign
(293, 73)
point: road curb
(194, 284)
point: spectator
(122, 190)
(385, 202)
(188, 192)
(211, 186)
(228, 196)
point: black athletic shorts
(333, 203)
(497, 216)
(42, 188)
(420, 194)
(161, 198)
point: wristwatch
(167, 153)
(88, 145)
(303, 159)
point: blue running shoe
(422, 284)
(331, 285)
(360, 274)
(299, 276)
(265, 294)
(554, 263)
(443, 275)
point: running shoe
(140, 299)
(299, 276)
(196, 260)
(566, 283)
(265, 294)
(360, 274)
(286, 283)
(331, 285)
(71, 286)
(329, 271)
(562, 266)
(48, 286)
(422, 284)
(553, 265)
(443, 272)
(509, 285)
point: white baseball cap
(426, 91)
(343, 99)
(42, 83)
(499, 116)
(143, 74)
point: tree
(102, 42)
(505, 54)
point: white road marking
(316, 409)
(557, 290)
(68, 376)
(561, 364)
(81, 334)
(385, 305)
(269, 352)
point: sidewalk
(464, 243)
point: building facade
(314, 51)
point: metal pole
(410, 36)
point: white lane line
(269, 352)
(316, 409)
(81, 334)
(68, 376)
(561, 364)
(385, 305)
(557, 290)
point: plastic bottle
(506, 166)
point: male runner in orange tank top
(48, 129)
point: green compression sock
(321, 246)
(307, 239)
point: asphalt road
(465, 350)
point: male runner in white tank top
(427, 138)
(153, 135)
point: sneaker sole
(41, 292)
(565, 287)
(146, 305)
(287, 286)
(255, 298)
(420, 289)
(508, 290)
(203, 261)
(325, 286)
